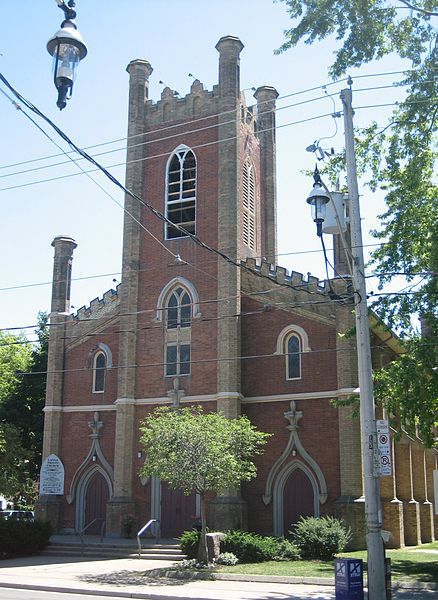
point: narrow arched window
(178, 332)
(248, 205)
(293, 357)
(99, 370)
(181, 193)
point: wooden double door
(177, 512)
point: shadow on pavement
(120, 578)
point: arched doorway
(177, 511)
(95, 499)
(298, 499)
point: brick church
(240, 336)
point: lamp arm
(67, 9)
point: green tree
(401, 160)
(22, 395)
(199, 452)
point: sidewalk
(128, 578)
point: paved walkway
(128, 578)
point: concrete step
(168, 552)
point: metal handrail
(145, 528)
(82, 531)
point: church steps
(167, 552)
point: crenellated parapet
(94, 317)
(283, 277)
(294, 291)
(199, 102)
(98, 305)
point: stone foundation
(228, 512)
(116, 508)
(352, 511)
(411, 519)
(426, 522)
(49, 508)
(392, 514)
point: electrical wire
(136, 197)
(186, 132)
(320, 351)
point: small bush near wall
(320, 538)
(23, 538)
(247, 547)
(189, 541)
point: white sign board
(384, 466)
(52, 476)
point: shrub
(320, 537)
(23, 538)
(227, 558)
(286, 550)
(189, 541)
(250, 547)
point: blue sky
(177, 38)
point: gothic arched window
(181, 192)
(178, 309)
(99, 370)
(293, 356)
(292, 342)
(248, 205)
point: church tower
(202, 165)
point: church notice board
(52, 476)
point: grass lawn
(408, 564)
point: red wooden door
(177, 512)
(96, 497)
(298, 499)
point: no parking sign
(384, 466)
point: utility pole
(376, 563)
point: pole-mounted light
(67, 48)
(318, 198)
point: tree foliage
(22, 394)
(199, 452)
(401, 160)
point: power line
(270, 304)
(118, 273)
(196, 146)
(215, 360)
(186, 132)
(289, 95)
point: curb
(103, 592)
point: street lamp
(376, 574)
(67, 48)
(318, 199)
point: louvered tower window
(181, 193)
(249, 201)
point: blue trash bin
(349, 579)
